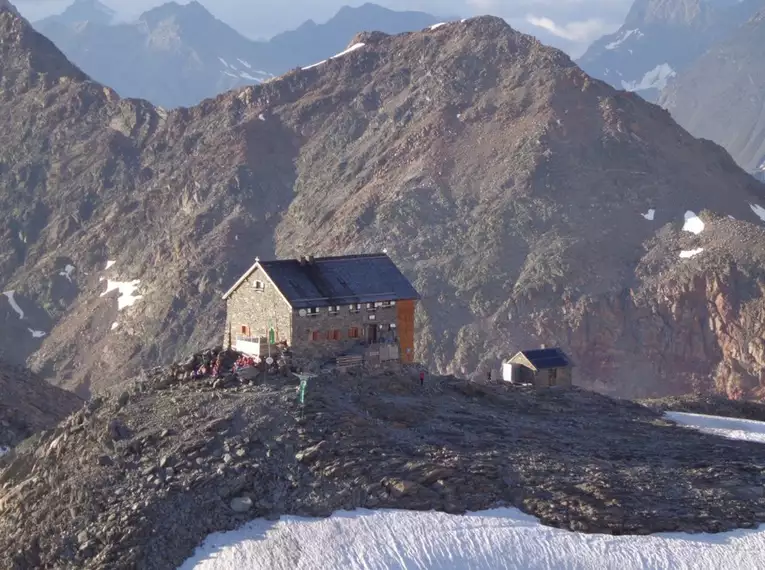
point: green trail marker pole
(302, 389)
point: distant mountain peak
(660, 39)
(174, 8)
(88, 11)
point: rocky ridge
(139, 480)
(527, 202)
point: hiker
(488, 376)
(422, 377)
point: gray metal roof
(344, 280)
(544, 358)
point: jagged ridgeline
(528, 203)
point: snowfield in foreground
(489, 540)
(732, 428)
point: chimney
(309, 259)
(301, 260)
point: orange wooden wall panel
(405, 318)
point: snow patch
(115, 325)
(654, 79)
(498, 538)
(244, 63)
(693, 223)
(626, 35)
(14, 304)
(731, 428)
(37, 334)
(67, 272)
(4, 450)
(649, 214)
(354, 47)
(261, 117)
(109, 264)
(315, 64)
(127, 296)
(758, 210)
(224, 62)
(245, 75)
(436, 26)
(687, 254)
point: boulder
(241, 504)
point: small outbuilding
(542, 368)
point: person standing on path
(422, 377)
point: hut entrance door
(553, 376)
(371, 334)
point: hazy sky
(568, 24)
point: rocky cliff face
(527, 202)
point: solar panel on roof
(546, 358)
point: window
(334, 309)
(333, 335)
(353, 332)
(259, 286)
(245, 330)
(370, 307)
(312, 312)
(355, 308)
(315, 336)
(388, 303)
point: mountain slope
(661, 38)
(139, 482)
(528, 203)
(177, 55)
(720, 97)
(29, 405)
